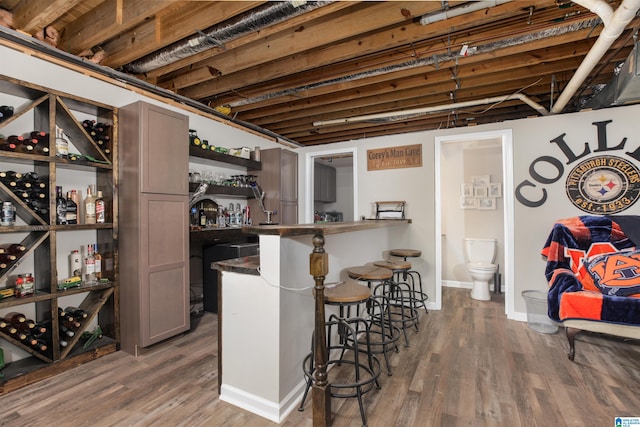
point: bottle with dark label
(61, 207)
(72, 210)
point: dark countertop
(215, 235)
(244, 265)
(322, 228)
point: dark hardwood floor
(468, 366)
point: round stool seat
(405, 253)
(365, 273)
(392, 265)
(346, 293)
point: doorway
(344, 161)
(471, 205)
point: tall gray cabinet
(154, 206)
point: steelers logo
(603, 185)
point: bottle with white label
(75, 263)
(89, 267)
(90, 207)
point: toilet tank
(480, 250)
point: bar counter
(267, 315)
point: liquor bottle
(88, 271)
(8, 215)
(202, 218)
(72, 210)
(98, 262)
(61, 207)
(89, 207)
(14, 317)
(75, 263)
(100, 209)
(76, 312)
(62, 143)
(75, 196)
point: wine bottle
(6, 111)
(66, 332)
(72, 210)
(100, 208)
(72, 325)
(89, 207)
(14, 317)
(76, 312)
(63, 315)
(61, 207)
(40, 328)
(12, 248)
(40, 345)
(7, 327)
(6, 258)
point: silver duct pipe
(460, 10)
(426, 110)
(218, 35)
(617, 23)
(433, 60)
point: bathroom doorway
(344, 164)
(474, 198)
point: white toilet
(480, 255)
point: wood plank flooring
(467, 366)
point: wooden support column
(321, 392)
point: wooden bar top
(322, 228)
(243, 265)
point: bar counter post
(321, 392)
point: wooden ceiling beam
(170, 71)
(33, 15)
(178, 22)
(394, 40)
(109, 19)
(314, 34)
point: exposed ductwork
(617, 21)
(433, 60)
(216, 36)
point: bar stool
(399, 295)
(413, 253)
(342, 333)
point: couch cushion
(616, 273)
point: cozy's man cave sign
(405, 156)
(602, 184)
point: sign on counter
(404, 156)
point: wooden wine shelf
(224, 158)
(46, 109)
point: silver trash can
(537, 317)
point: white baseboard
(457, 284)
(273, 411)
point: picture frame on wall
(466, 190)
(467, 202)
(480, 191)
(495, 189)
(480, 180)
(486, 203)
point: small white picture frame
(480, 180)
(495, 189)
(480, 191)
(467, 202)
(486, 203)
(466, 190)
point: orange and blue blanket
(593, 269)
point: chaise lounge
(593, 270)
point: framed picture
(467, 202)
(480, 191)
(486, 203)
(480, 180)
(495, 189)
(466, 190)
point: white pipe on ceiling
(426, 110)
(617, 23)
(460, 10)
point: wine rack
(43, 109)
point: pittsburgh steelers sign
(603, 185)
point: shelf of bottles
(58, 157)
